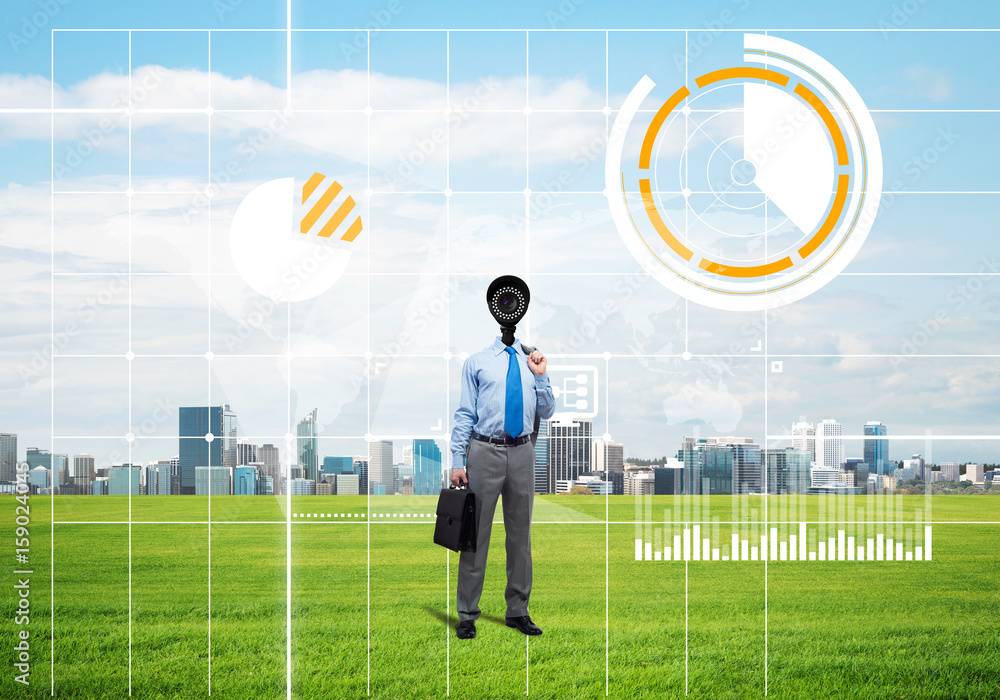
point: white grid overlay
(368, 111)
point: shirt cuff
(542, 378)
(458, 462)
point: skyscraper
(708, 467)
(196, 450)
(569, 451)
(875, 450)
(542, 458)
(83, 473)
(804, 438)
(380, 465)
(123, 479)
(747, 463)
(427, 475)
(158, 476)
(246, 452)
(829, 444)
(8, 457)
(361, 469)
(307, 444)
(245, 481)
(788, 470)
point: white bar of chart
(691, 545)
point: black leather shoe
(525, 625)
(466, 629)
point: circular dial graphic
(752, 186)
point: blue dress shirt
(484, 390)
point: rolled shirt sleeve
(465, 416)
(546, 404)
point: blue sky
(918, 84)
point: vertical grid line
(767, 378)
(447, 337)
(52, 367)
(607, 425)
(208, 192)
(368, 383)
(129, 194)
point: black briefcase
(457, 525)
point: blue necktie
(514, 405)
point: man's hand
(458, 477)
(536, 363)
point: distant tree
(580, 491)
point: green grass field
(831, 629)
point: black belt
(501, 440)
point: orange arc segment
(353, 231)
(661, 228)
(319, 207)
(741, 72)
(831, 124)
(745, 271)
(838, 205)
(337, 219)
(654, 126)
(311, 184)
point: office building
(307, 446)
(804, 438)
(38, 458)
(60, 470)
(823, 476)
(408, 455)
(569, 451)
(207, 439)
(124, 480)
(83, 473)
(338, 465)
(829, 444)
(265, 485)
(747, 463)
(245, 481)
(325, 487)
(708, 466)
(158, 478)
(950, 471)
(858, 469)
(640, 483)
(916, 463)
(668, 480)
(427, 473)
(876, 450)
(40, 478)
(8, 457)
(99, 487)
(788, 470)
(542, 458)
(246, 452)
(361, 471)
(302, 487)
(347, 485)
(904, 474)
(974, 473)
(213, 481)
(380, 465)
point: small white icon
(757, 347)
(438, 426)
(575, 390)
(777, 366)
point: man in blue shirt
(502, 390)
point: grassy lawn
(372, 606)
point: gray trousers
(495, 470)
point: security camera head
(507, 298)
